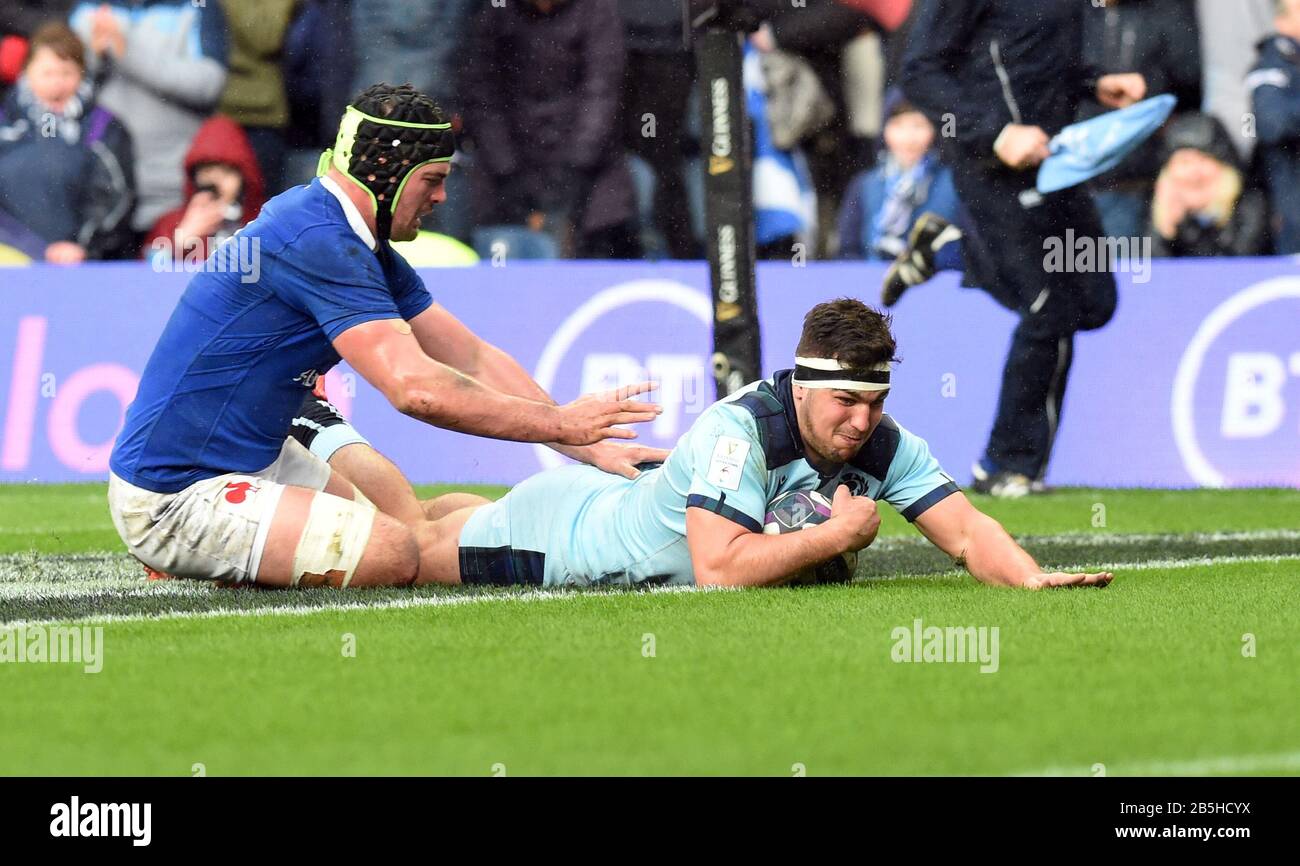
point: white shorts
(216, 529)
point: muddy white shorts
(216, 529)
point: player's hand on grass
(1021, 146)
(619, 459)
(1058, 579)
(856, 516)
(593, 417)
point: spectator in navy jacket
(317, 93)
(1274, 86)
(541, 91)
(1008, 76)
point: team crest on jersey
(855, 481)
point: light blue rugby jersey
(581, 526)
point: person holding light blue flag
(1093, 147)
(1009, 85)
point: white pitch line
(291, 610)
(1227, 765)
(1126, 539)
(1186, 562)
(530, 596)
(360, 605)
(76, 588)
(1120, 539)
(1122, 567)
(1099, 539)
(64, 590)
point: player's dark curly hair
(848, 331)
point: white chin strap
(830, 373)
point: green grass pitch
(1186, 665)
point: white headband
(827, 373)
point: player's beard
(822, 455)
(839, 450)
(406, 232)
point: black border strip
(720, 507)
(870, 377)
(938, 494)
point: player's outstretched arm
(984, 548)
(386, 354)
(724, 553)
(445, 338)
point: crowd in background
(156, 127)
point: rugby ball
(797, 510)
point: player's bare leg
(440, 506)
(439, 543)
(316, 540)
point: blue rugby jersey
(223, 383)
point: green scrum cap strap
(380, 155)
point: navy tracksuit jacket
(974, 66)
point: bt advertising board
(1195, 382)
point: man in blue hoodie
(1274, 86)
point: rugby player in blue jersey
(698, 518)
(204, 482)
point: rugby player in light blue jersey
(205, 484)
(698, 518)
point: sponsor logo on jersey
(729, 454)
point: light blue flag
(1084, 150)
